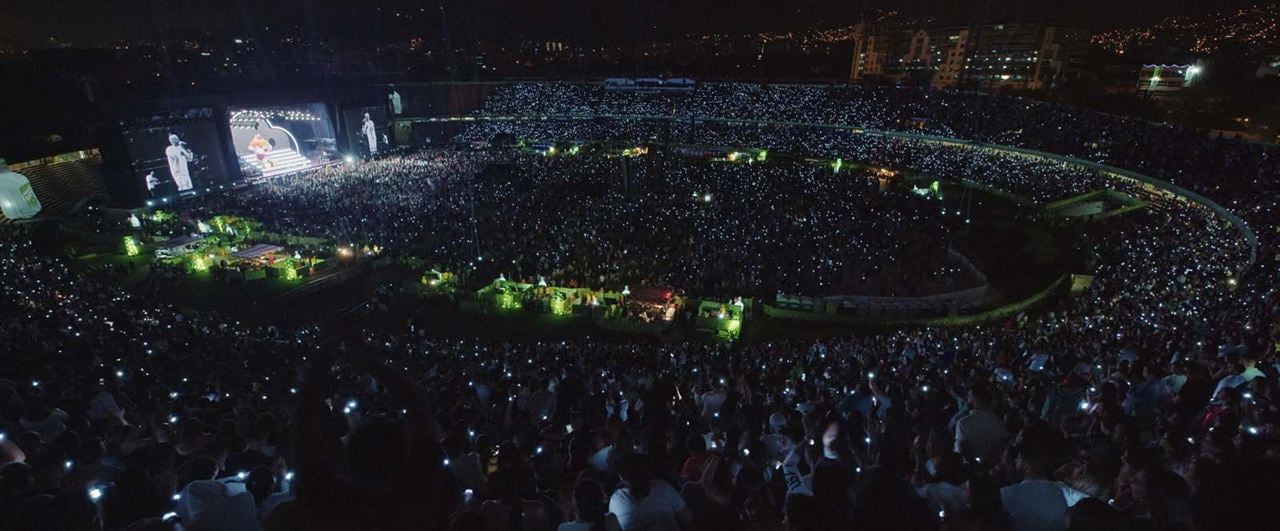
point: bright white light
(95, 494)
(349, 159)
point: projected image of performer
(261, 148)
(179, 157)
(370, 133)
(394, 99)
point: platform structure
(277, 162)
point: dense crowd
(702, 228)
(679, 221)
(1232, 172)
(1147, 402)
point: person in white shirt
(216, 506)
(1036, 503)
(644, 503)
(980, 434)
(1244, 373)
(946, 491)
(712, 401)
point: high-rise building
(1019, 56)
(878, 52)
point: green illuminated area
(609, 310)
(207, 256)
(722, 318)
(131, 246)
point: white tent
(17, 199)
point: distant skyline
(577, 22)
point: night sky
(579, 22)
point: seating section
(63, 186)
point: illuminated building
(1164, 80)
(878, 53)
(1018, 56)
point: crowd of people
(674, 221)
(705, 228)
(1176, 154)
(709, 229)
(1147, 402)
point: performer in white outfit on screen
(179, 157)
(370, 133)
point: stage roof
(178, 242)
(257, 251)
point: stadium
(777, 305)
